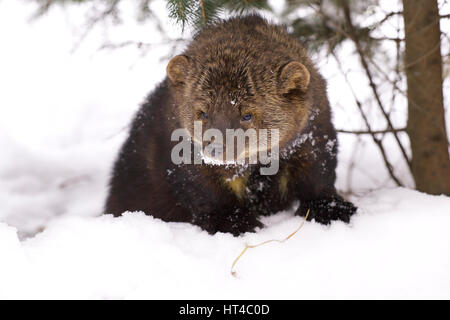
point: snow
(396, 247)
(63, 118)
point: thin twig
(360, 132)
(247, 246)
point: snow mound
(397, 246)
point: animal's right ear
(177, 69)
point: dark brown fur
(238, 66)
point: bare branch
(387, 17)
(365, 65)
(360, 132)
(387, 39)
(92, 22)
(376, 140)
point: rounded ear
(293, 76)
(177, 68)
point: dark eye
(246, 117)
(203, 115)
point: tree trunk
(426, 123)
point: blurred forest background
(403, 53)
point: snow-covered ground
(63, 117)
(398, 246)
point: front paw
(235, 223)
(328, 209)
(239, 223)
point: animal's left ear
(293, 76)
